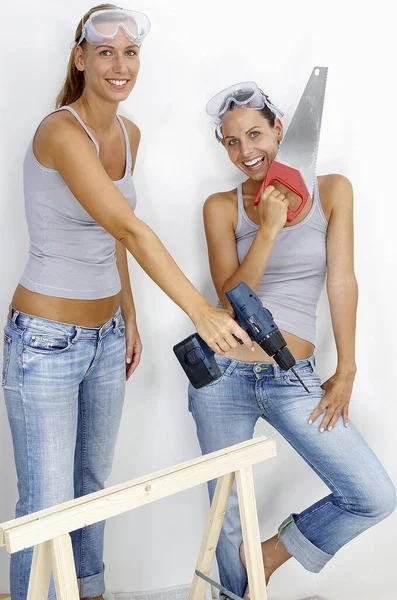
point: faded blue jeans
(64, 392)
(225, 413)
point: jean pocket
(53, 342)
(6, 358)
(216, 381)
(226, 366)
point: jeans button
(257, 369)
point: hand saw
(295, 166)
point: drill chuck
(284, 358)
(272, 342)
(274, 345)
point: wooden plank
(64, 568)
(40, 574)
(7, 525)
(251, 535)
(108, 503)
(211, 534)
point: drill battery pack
(197, 360)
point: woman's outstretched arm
(74, 157)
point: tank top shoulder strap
(84, 126)
(318, 205)
(127, 145)
(240, 209)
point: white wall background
(194, 50)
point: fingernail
(310, 422)
(322, 430)
(252, 348)
(329, 428)
(128, 360)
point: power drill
(197, 358)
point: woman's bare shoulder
(55, 122)
(53, 129)
(334, 189)
(334, 184)
(224, 199)
(222, 205)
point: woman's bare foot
(274, 555)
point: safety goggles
(102, 26)
(241, 94)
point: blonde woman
(71, 338)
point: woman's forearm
(254, 264)
(343, 297)
(157, 262)
(127, 304)
(126, 298)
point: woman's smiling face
(251, 142)
(111, 69)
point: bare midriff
(300, 349)
(85, 313)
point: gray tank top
(295, 272)
(70, 255)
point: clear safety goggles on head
(102, 26)
(242, 94)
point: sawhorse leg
(250, 528)
(211, 535)
(251, 535)
(54, 556)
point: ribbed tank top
(70, 255)
(296, 269)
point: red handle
(292, 179)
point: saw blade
(220, 587)
(299, 147)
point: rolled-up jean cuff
(310, 557)
(92, 586)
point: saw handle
(292, 179)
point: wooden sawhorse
(48, 530)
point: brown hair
(73, 85)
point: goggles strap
(279, 113)
(82, 33)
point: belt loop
(312, 362)
(14, 313)
(115, 322)
(77, 335)
(229, 370)
(276, 371)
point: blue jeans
(64, 391)
(225, 413)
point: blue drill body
(251, 315)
